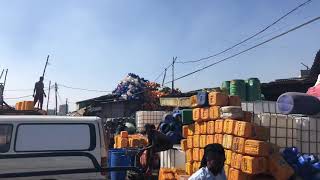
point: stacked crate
(245, 143)
(124, 140)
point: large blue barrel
(118, 158)
(298, 103)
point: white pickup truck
(52, 147)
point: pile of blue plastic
(130, 87)
(171, 126)
(305, 166)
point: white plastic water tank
(151, 117)
(173, 158)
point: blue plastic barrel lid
(285, 104)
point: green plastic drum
(226, 87)
(238, 88)
(253, 89)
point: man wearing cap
(212, 164)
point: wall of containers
(287, 130)
(219, 118)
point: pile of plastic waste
(306, 166)
(131, 87)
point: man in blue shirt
(212, 164)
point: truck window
(54, 137)
(5, 137)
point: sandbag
(298, 103)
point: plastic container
(238, 145)
(249, 130)
(210, 139)
(279, 168)
(256, 148)
(218, 99)
(190, 142)
(173, 158)
(183, 177)
(236, 160)
(228, 126)
(210, 127)
(189, 156)
(201, 153)
(203, 141)
(169, 101)
(231, 112)
(118, 158)
(134, 143)
(196, 166)
(193, 100)
(202, 98)
(28, 105)
(298, 103)
(184, 144)
(124, 134)
(218, 138)
(185, 130)
(218, 126)
(253, 165)
(253, 89)
(197, 128)
(225, 88)
(227, 141)
(203, 127)
(238, 88)
(186, 115)
(196, 114)
(235, 174)
(190, 129)
(189, 168)
(234, 101)
(184, 102)
(226, 170)
(17, 106)
(151, 117)
(228, 155)
(204, 114)
(196, 154)
(214, 112)
(196, 141)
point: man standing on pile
(38, 93)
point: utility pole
(172, 83)
(56, 93)
(48, 95)
(67, 106)
(45, 67)
(5, 78)
(164, 76)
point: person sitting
(212, 164)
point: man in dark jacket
(157, 142)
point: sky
(94, 44)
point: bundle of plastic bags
(304, 165)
